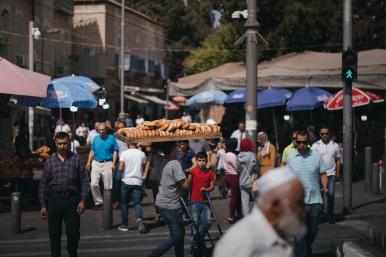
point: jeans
(134, 192)
(246, 195)
(303, 244)
(60, 209)
(330, 195)
(173, 219)
(201, 218)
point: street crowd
(274, 211)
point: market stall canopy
(290, 70)
(206, 98)
(17, 81)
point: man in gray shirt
(276, 217)
(173, 179)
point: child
(202, 181)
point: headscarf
(246, 145)
(264, 150)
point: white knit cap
(274, 179)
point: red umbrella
(359, 97)
(17, 81)
(179, 99)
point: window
(5, 20)
(18, 30)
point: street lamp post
(32, 33)
(252, 26)
(347, 112)
(122, 57)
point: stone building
(52, 50)
(96, 53)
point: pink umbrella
(359, 97)
(17, 81)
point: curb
(349, 249)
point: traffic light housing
(349, 65)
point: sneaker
(98, 206)
(141, 226)
(123, 228)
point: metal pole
(384, 161)
(16, 212)
(31, 68)
(107, 210)
(251, 36)
(167, 101)
(368, 161)
(122, 56)
(347, 113)
(374, 179)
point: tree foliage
(288, 26)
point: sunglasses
(324, 134)
(301, 142)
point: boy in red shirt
(202, 181)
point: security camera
(36, 33)
(238, 14)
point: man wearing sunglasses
(289, 149)
(310, 168)
(331, 156)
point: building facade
(96, 51)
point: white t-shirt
(93, 133)
(74, 146)
(64, 128)
(81, 131)
(134, 160)
(220, 155)
(187, 118)
(330, 152)
(239, 136)
(139, 121)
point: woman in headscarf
(266, 153)
(231, 180)
(247, 167)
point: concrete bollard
(375, 179)
(107, 210)
(381, 170)
(368, 166)
(15, 212)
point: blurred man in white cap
(277, 217)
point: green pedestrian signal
(349, 65)
(349, 74)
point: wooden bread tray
(167, 138)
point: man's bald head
(281, 201)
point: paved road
(96, 242)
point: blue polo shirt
(308, 168)
(104, 147)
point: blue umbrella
(272, 97)
(307, 98)
(237, 96)
(207, 97)
(82, 81)
(62, 95)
